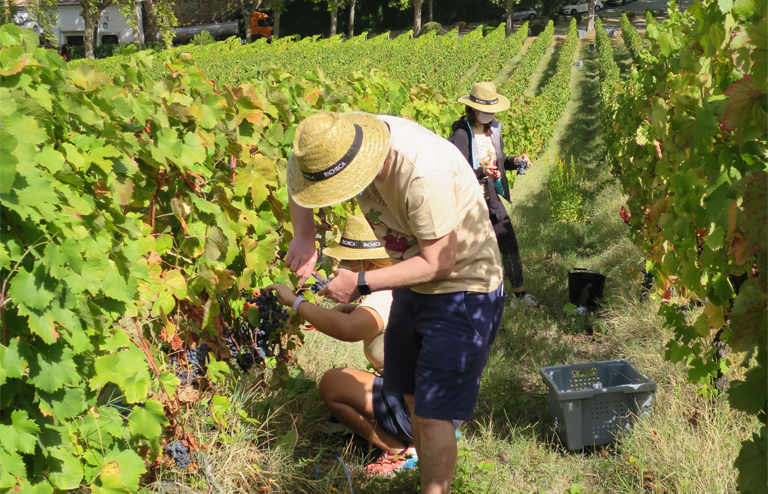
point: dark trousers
(505, 236)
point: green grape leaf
(137, 385)
(11, 467)
(64, 403)
(169, 382)
(744, 8)
(34, 289)
(216, 244)
(20, 435)
(60, 259)
(725, 5)
(99, 427)
(748, 317)
(751, 463)
(667, 42)
(217, 370)
(54, 368)
(8, 145)
(68, 473)
(256, 176)
(750, 394)
(148, 421)
(109, 483)
(13, 363)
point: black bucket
(585, 287)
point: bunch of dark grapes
(179, 453)
(320, 283)
(272, 319)
(197, 364)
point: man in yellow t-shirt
(426, 208)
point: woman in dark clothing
(478, 136)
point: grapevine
(687, 139)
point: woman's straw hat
(485, 98)
(357, 242)
(335, 156)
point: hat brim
(344, 253)
(502, 104)
(354, 178)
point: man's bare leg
(348, 394)
(435, 442)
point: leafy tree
(333, 8)
(44, 13)
(9, 12)
(247, 7)
(160, 18)
(417, 4)
(509, 6)
(278, 7)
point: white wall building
(70, 28)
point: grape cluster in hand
(250, 344)
(179, 453)
(320, 283)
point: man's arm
(302, 255)
(435, 262)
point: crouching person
(355, 397)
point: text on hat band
(482, 101)
(360, 244)
(345, 160)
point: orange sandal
(389, 462)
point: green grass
(687, 446)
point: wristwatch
(363, 288)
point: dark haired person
(478, 136)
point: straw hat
(357, 241)
(485, 98)
(335, 156)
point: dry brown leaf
(188, 394)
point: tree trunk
(510, 11)
(417, 17)
(431, 5)
(352, 18)
(276, 27)
(591, 21)
(151, 25)
(247, 13)
(334, 19)
(90, 20)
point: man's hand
(284, 294)
(301, 257)
(342, 288)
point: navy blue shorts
(436, 347)
(391, 412)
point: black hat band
(360, 244)
(340, 165)
(482, 101)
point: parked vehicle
(580, 7)
(618, 2)
(260, 26)
(522, 13)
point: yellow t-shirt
(373, 347)
(427, 192)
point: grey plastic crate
(591, 402)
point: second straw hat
(357, 241)
(485, 98)
(335, 156)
